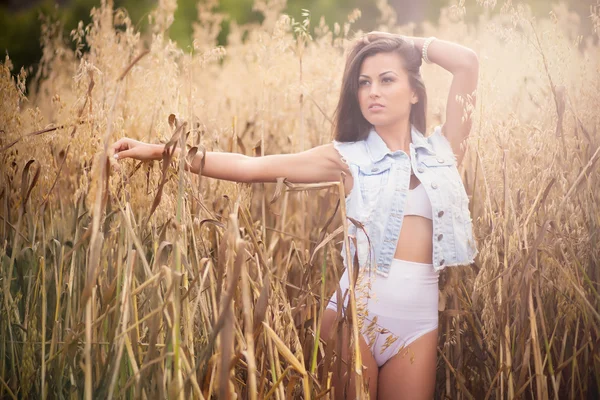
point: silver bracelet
(425, 47)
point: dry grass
(147, 281)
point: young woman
(402, 186)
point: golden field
(128, 280)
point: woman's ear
(414, 98)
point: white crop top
(418, 203)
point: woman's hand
(415, 41)
(129, 148)
(375, 34)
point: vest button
(434, 185)
(441, 214)
(421, 170)
(440, 160)
(441, 262)
(440, 236)
(375, 169)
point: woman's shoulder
(439, 142)
(352, 152)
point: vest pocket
(442, 172)
(373, 180)
(444, 169)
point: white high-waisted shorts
(398, 309)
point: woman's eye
(387, 80)
(363, 83)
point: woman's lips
(376, 107)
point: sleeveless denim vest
(378, 198)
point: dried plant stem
(360, 393)
(43, 333)
(125, 295)
(249, 334)
(537, 357)
(88, 346)
(505, 347)
(7, 388)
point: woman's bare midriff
(415, 240)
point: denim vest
(378, 198)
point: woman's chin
(380, 121)
(384, 121)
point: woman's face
(384, 93)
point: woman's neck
(396, 136)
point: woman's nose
(374, 91)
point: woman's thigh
(370, 369)
(410, 374)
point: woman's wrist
(418, 41)
(421, 43)
(157, 151)
(425, 50)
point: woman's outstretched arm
(319, 164)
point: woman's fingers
(120, 145)
(124, 154)
(129, 148)
(374, 35)
(122, 148)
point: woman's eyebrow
(381, 74)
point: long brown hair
(350, 125)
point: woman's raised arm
(319, 164)
(463, 64)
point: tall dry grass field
(141, 280)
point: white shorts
(397, 309)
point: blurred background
(20, 22)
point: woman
(403, 187)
